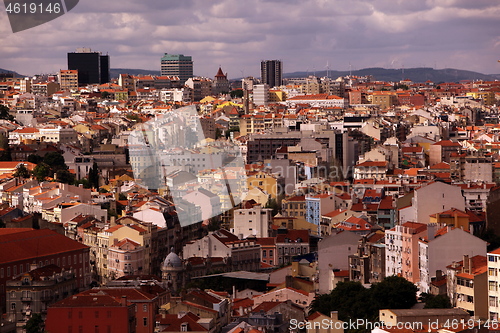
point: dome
(172, 260)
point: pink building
(125, 257)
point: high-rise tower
(177, 65)
(271, 72)
(92, 67)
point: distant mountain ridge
(419, 74)
(115, 72)
(6, 71)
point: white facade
(430, 199)
(261, 94)
(333, 253)
(439, 252)
(58, 135)
(494, 284)
(255, 221)
(393, 249)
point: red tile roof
(378, 164)
(35, 243)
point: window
(145, 321)
(144, 308)
(8, 271)
(264, 254)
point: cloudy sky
(306, 34)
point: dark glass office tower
(93, 67)
(271, 72)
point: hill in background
(115, 72)
(421, 74)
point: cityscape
(181, 203)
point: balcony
(26, 299)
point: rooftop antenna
(350, 69)
(403, 73)
(327, 69)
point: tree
(350, 299)
(55, 160)
(94, 176)
(232, 129)
(4, 113)
(83, 181)
(33, 158)
(104, 94)
(22, 171)
(237, 93)
(34, 324)
(273, 204)
(353, 301)
(65, 176)
(5, 153)
(41, 171)
(218, 133)
(394, 292)
(436, 301)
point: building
(271, 72)
(177, 65)
(333, 257)
(367, 265)
(291, 243)
(255, 221)
(92, 67)
(221, 83)
(423, 316)
(468, 285)
(261, 94)
(243, 253)
(315, 323)
(92, 311)
(68, 79)
(125, 257)
(401, 250)
(432, 198)
(316, 206)
(23, 249)
(33, 291)
(494, 284)
(442, 247)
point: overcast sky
(306, 34)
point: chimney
(439, 275)
(334, 315)
(112, 221)
(124, 300)
(466, 264)
(431, 231)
